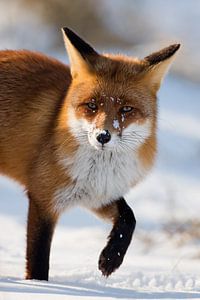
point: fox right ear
(82, 56)
(158, 63)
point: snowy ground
(163, 260)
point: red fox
(83, 135)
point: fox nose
(104, 137)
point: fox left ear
(82, 56)
(157, 65)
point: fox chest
(98, 178)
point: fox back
(32, 88)
(83, 135)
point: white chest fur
(99, 177)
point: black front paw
(110, 259)
(119, 239)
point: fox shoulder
(28, 65)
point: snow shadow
(86, 290)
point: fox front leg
(124, 222)
(40, 229)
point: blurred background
(130, 26)
(168, 201)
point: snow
(163, 259)
(123, 118)
(116, 124)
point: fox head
(111, 103)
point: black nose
(104, 137)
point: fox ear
(158, 64)
(82, 56)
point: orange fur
(36, 95)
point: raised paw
(110, 259)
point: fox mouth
(100, 147)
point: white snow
(123, 117)
(162, 261)
(116, 124)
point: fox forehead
(119, 68)
(112, 70)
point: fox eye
(126, 109)
(92, 105)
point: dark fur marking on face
(111, 155)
